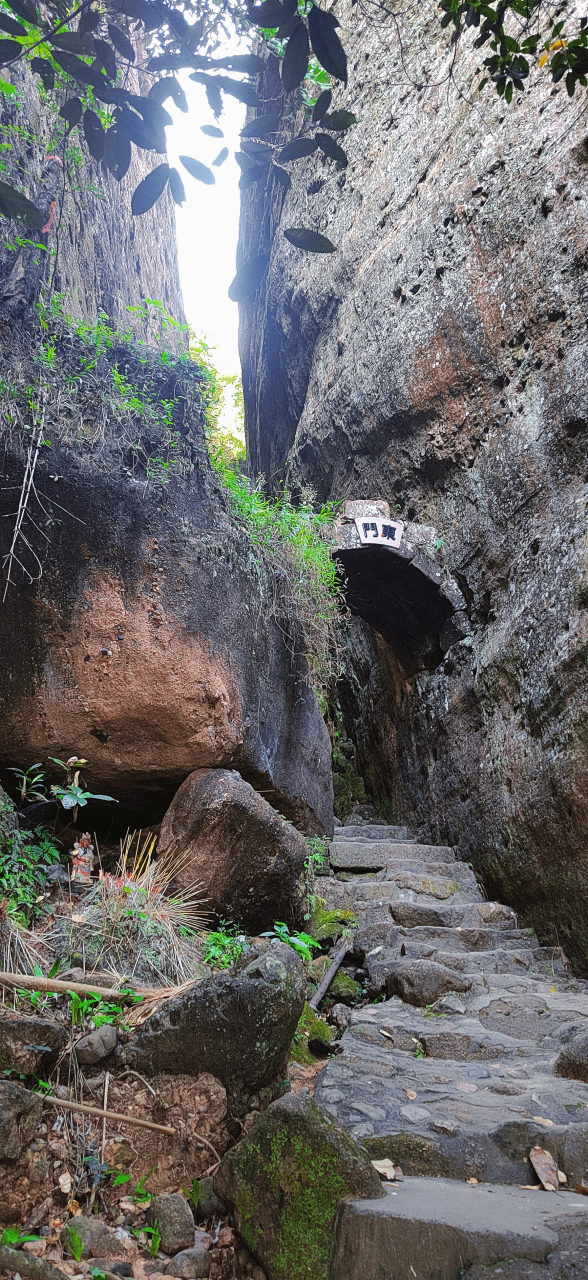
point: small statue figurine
(82, 857)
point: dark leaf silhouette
(260, 126)
(94, 134)
(321, 105)
(282, 176)
(272, 14)
(13, 28)
(287, 28)
(42, 67)
(331, 148)
(237, 89)
(244, 161)
(89, 20)
(214, 99)
(79, 70)
(252, 175)
(144, 133)
(250, 64)
(297, 149)
(117, 153)
(74, 42)
(261, 152)
(198, 170)
(24, 9)
(221, 157)
(171, 62)
(9, 49)
(121, 42)
(309, 240)
(149, 14)
(169, 87)
(149, 190)
(339, 120)
(105, 54)
(326, 43)
(15, 205)
(295, 60)
(176, 186)
(151, 110)
(211, 131)
(71, 112)
(248, 277)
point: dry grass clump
(21, 950)
(132, 923)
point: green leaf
(272, 14)
(73, 42)
(15, 205)
(9, 49)
(117, 153)
(176, 186)
(297, 149)
(261, 126)
(121, 42)
(321, 105)
(221, 157)
(71, 112)
(339, 120)
(311, 241)
(143, 199)
(24, 9)
(326, 43)
(211, 131)
(282, 176)
(248, 277)
(94, 134)
(331, 148)
(13, 28)
(42, 67)
(198, 170)
(295, 60)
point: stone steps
(358, 855)
(372, 832)
(432, 1229)
(503, 1013)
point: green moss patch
(311, 1030)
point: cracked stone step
(415, 914)
(432, 1228)
(349, 855)
(403, 880)
(370, 833)
(499, 961)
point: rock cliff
(437, 360)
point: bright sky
(208, 223)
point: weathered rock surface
(573, 1059)
(285, 1181)
(249, 859)
(238, 1024)
(97, 1238)
(27, 1041)
(96, 1045)
(421, 982)
(175, 1221)
(191, 1263)
(20, 1113)
(438, 361)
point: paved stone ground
(450, 1072)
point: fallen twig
(128, 1072)
(38, 1214)
(109, 1115)
(323, 986)
(81, 988)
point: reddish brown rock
(250, 859)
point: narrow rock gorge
(437, 361)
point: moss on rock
(328, 925)
(416, 1155)
(311, 1030)
(285, 1182)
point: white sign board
(379, 531)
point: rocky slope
(438, 360)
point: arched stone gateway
(394, 582)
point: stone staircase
(451, 1072)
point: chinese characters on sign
(379, 531)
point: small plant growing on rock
(300, 942)
(75, 1243)
(192, 1193)
(223, 946)
(71, 794)
(13, 1237)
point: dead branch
(107, 1115)
(81, 988)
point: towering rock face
(438, 360)
(137, 628)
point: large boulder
(27, 1041)
(572, 1062)
(250, 860)
(238, 1025)
(285, 1181)
(421, 982)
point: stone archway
(394, 582)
